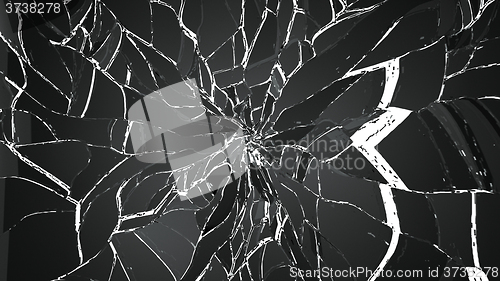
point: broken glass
(249, 140)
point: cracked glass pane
(249, 140)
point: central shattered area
(250, 140)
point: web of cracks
(249, 140)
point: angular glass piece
(204, 152)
